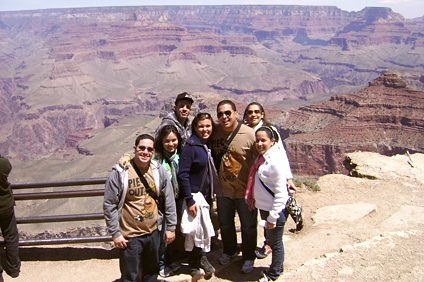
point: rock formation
(385, 117)
(65, 70)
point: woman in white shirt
(267, 191)
(255, 117)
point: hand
(291, 186)
(120, 242)
(124, 161)
(169, 236)
(192, 210)
(269, 225)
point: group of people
(173, 178)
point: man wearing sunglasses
(179, 116)
(233, 167)
(137, 201)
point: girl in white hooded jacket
(267, 191)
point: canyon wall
(67, 73)
(385, 117)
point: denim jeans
(166, 252)
(275, 238)
(11, 240)
(142, 249)
(248, 219)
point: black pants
(10, 234)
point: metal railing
(60, 218)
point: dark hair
(227, 102)
(264, 119)
(270, 132)
(200, 117)
(163, 132)
(142, 137)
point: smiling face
(182, 110)
(143, 152)
(263, 141)
(170, 142)
(227, 117)
(254, 115)
(204, 129)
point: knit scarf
(213, 174)
(249, 197)
(173, 166)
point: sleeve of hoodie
(111, 202)
(5, 168)
(165, 121)
(186, 160)
(278, 176)
(169, 199)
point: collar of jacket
(271, 153)
(194, 140)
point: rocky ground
(368, 228)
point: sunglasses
(203, 115)
(142, 148)
(250, 112)
(227, 113)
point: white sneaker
(248, 266)
(264, 278)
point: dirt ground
(356, 229)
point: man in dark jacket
(8, 222)
(179, 116)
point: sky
(408, 8)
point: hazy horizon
(407, 8)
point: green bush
(310, 184)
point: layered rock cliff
(385, 117)
(65, 70)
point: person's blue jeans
(248, 220)
(142, 250)
(275, 238)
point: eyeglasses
(250, 112)
(143, 148)
(203, 115)
(227, 113)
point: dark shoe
(196, 272)
(169, 270)
(13, 274)
(225, 259)
(263, 252)
(206, 265)
(299, 225)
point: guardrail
(60, 218)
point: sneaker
(196, 272)
(263, 252)
(225, 259)
(163, 273)
(206, 265)
(169, 270)
(264, 278)
(248, 266)
(174, 266)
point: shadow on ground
(66, 253)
